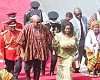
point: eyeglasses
(38, 22)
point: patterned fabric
(92, 18)
(5, 75)
(64, 71)
(60, 42)
(95, 23)
(98, 58)
(35, 46)
(91, 59)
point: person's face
(37, 23)
(78, 14)
(68, 18)
(96, 29)
(11, 17)
(67, 30)
(11, 28)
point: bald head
(35, 17)
(36, 21)
(78, 13)
(77, 9)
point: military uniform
(8, 47)
(54, 27)
(34, 9)
(5, 26)
(12, 17)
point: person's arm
(2, 43)
(41, 16)
(90, 41)
(25, 19)
(21, 40)
(55, 43)
(49, 35)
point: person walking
(80, 26)
(65, 44)
(8, 48)
(55, 27)
(33, 41)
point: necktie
(82, 32)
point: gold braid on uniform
(8, 42)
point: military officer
(54, 27)
(11, 17)
(34, 6)
(8, 47)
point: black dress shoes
(43, 72)
(51, 73)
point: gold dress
(60, 44)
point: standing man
(34, 40)
(34, 6)
(8, 47)
(68, 17)
(18, 27)
(54, 27)
(80, 26)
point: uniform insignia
(2, 33)
(18, 29)
(27, 12)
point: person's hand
(94, 45)
(1, 54)
(95, 55)
(71, 46)
(22, 56)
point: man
(11, 17)
(95, 16)
(68, 17)
(8, 48)
(4, 29)
(54, 27)
(80, 26)
(34, 6)
(34, 40)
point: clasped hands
(69, 46)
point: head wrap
(95, 23)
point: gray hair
(35, 17)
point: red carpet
(76, 76)
(21, 6)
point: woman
(92, 43)
(65, 45)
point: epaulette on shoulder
(19, 22)
(45, 22)
(2, 33)
(18, 29)
(4, 22)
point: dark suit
(81, 41)
(54, 27)
(27, 16)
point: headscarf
(95, 23)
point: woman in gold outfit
(65, 44)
